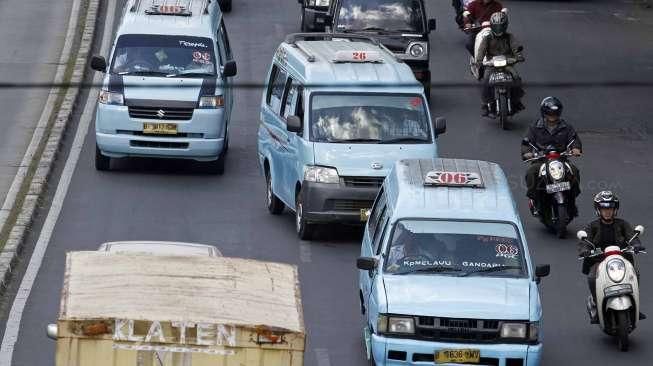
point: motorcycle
(617, 289)
(556, 202)
(502, 82)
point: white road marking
(305, 253)
(15, 315)
(322, 356)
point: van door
(292, 105)
(372, 244)
(226, 55)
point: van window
(275, 88)
(225, 40)
(290, 98)
(379, 231)
(377, 211)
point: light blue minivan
(338, 111)
(445, 273)
(166, 92)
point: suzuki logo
(377, 166)
(161, 113)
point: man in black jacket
(605, 231)
(550, 130)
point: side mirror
(51, 330)
(293, 124)
(99, 63)
(581, 235)
(440, 125)
(639, 229)
(229, 69)
(431, 25)
(366, 263)
(542, 270)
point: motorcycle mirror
(581, 235)
(504, 10)
(639, 229)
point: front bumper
(200, 138)
(315, 19)
(336, 202)
(416, 352)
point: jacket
(560, 137)
(623, 231)
(479, 12)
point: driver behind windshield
(419, 247)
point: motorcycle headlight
(321, 174)
(211, 101)
(417, 50)
(557, 170)
(107, 97)
(616, 269)
(513, 330)
(396, 324)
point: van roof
(487, 196)
(315, 61)
(196, 18)
(213, 290)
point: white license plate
(558, 187)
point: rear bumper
(325, 203)
(416, 352)
(122, 146)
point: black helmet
(606, 199)
(499, 23)
(551, 106)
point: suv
(335, 117)
(400, 25)
(166, 91)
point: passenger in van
(426, 246)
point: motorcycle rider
(477, 12)
(605, 231)
(548, 130)
(498, 42)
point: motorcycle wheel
(563, 220)
(503, 111)
(622, 322)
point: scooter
(617, 289)
(556, 202)
(502, 82)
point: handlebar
(542, 156)
(599, 252)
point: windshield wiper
(432, 269)
(143, 73)
(375, 141)
(491, 269)
(404, 139)
(190, 75)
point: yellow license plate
(365, 214)
(458, 356)
(160, 128)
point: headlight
(616, 269)
(318, 2)
(417, 50)
(107, 97)
(396, 324)
(513, 330)
(321, 174)
(213, 101)
(557, 170)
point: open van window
(159, 55)
(364, 118)
(381, 15)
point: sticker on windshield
(481, 264)
(202, 57)
(192, 44)
(507, 251)
(407, 262)
(416, 102)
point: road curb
(49, 145)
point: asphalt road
(30, 53)
(583, 41)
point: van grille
(347, 205)
(159, 144)
(369, 182)
(161, 113)
(457, 330)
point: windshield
(381, 15)
(377, 118)
(460, 248)
(155, 55)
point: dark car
(400, 25)
(314, 14)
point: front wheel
(304, 229)
(102, 163)
(216, 166)
(503, 111)
(274, 204)
(623, 325)
(563, 220)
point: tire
(216, 166)
(304, 229)
(503, 111)
(274, 204)
(622, 322)
(563, 220)
(102, 163)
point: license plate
(365, 214)
(558, 187)
(458, 356)
(159, 128)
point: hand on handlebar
(576, 152)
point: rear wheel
(274, 204)
(102, 163)
(304, 229)
(623, 325)
(503, 111)
(563, 220)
